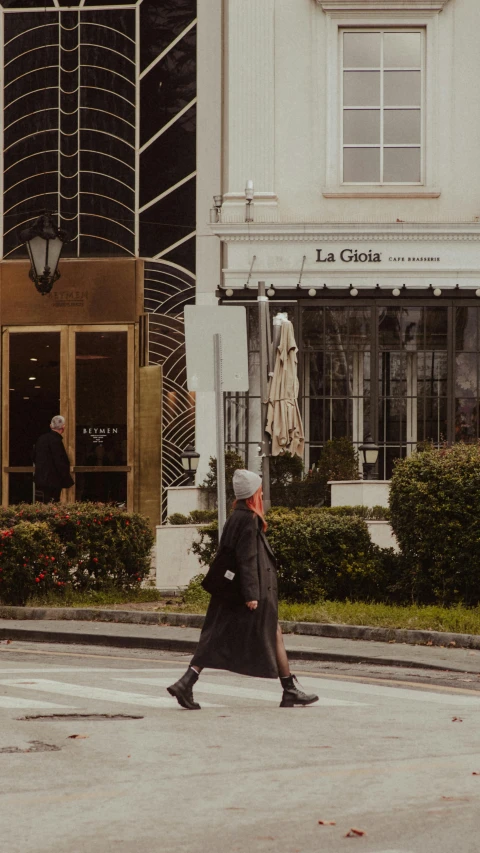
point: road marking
(86, 692)
(15, 702)
(396, 692)
(238, 692)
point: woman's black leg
(281, 655)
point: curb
(188, 646)
(194, 620)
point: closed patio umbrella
(284, 422)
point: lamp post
(190, 459)
(369, 455)
(44, 242)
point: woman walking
(245, 638)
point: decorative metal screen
(98, 125)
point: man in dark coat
(52, 467)
(245, 637)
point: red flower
(37, 580)
(95, 559)
(52, 559)
(41, 577)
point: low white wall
(382, 534)
(176, 562)
(356, 492)
(185, 498)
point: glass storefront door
(86, 374)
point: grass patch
(459, 620)
(95, 598)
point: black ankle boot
(293, 695)
(182, 690)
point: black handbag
(222, 579)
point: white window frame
(336, 23)
(382, 145)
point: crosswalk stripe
(45, 685)
(237, 692)
(370, 690)
(16, 702)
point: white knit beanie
(245, 483)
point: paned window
(382, 104)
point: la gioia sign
(349, 256)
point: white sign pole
(220, 428)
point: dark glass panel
(387, 461)
(466, 419)
(314, 454)
(337, 374)
(432, 374)
(34, 390)
(168, 221)
(389, 328)
(116, 31)
(435, 420)
(392, 379)
(20, 488)
(316, 420)
(101, 398)
(101, 487)
(336, 328)
(466, 329)
(392, 420)
(339, 418)
(436, 328)
(412, 328)
(253, 330)
(176, 152)
(184, 255)
(168, 87)
(161, 23)
(359, 328)
(317, 374)
(466, 382)
(312, 328)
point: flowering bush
(99, 546)
(30, 560)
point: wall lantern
(190, 459)
(368, 457)
(44, 242)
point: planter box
(356, 492)
(382, 534)
(176, 564)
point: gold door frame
(67, 399)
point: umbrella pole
(263, 325)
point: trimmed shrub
(197, 516)
(178, 518)
(100, 546)
(435, 514)
(320, 554)
(30, 561)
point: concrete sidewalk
(184, 639)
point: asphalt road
(390, 753)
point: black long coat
(52, 468)
(234, 637)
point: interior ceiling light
(437, 292)
(34, 359)
(312, 292)
(229, 291)
(396, 291)
(353, 291)
(270, 291)
(32, 378)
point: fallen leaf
(129, 756)
(355, 833)
(452, 643)
(430, 643)
(77, 737)
(476, 773)
(457, 720)
(327, 822)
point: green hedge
(94, 546)
(322, 553)
(435, 514)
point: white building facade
(357, 122)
